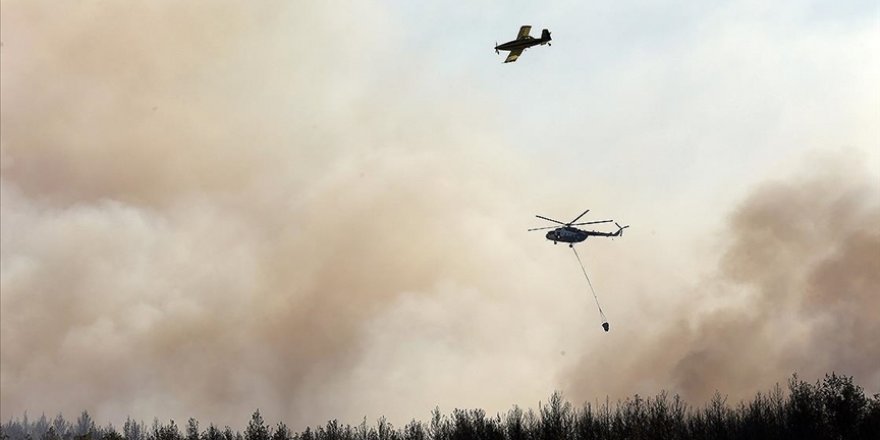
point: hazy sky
(319, 209)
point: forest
(831, 408)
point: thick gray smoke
(212, 209)
(199, 219)
(796, 290)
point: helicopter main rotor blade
(550, 220)
(548, 227)
(578, 217)
(591, 223)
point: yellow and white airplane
(523, 41)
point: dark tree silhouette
(256, 429)
(832, 408)
(110, 433)
(192, 429)
(84, 429)
(166, 432)
(870, 426)
(61, 427)
(228, 434)
(132, 430)
(51, 434)
(415, 431)
(282, 432)
(845, 404)
(212, 433)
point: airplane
(523, 41)
(571, 235)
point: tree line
(832, 408)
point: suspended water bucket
(605, 326)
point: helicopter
(567, 233)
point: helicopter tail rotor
(620, 229)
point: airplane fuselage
(522, 43)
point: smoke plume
(198, 220)
(795, 291)
(212, 209)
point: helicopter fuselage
(567, 234)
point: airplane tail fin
(620, 229)
(545, 35)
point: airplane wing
(514, 54)
(523, 32)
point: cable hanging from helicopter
(605, 324)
